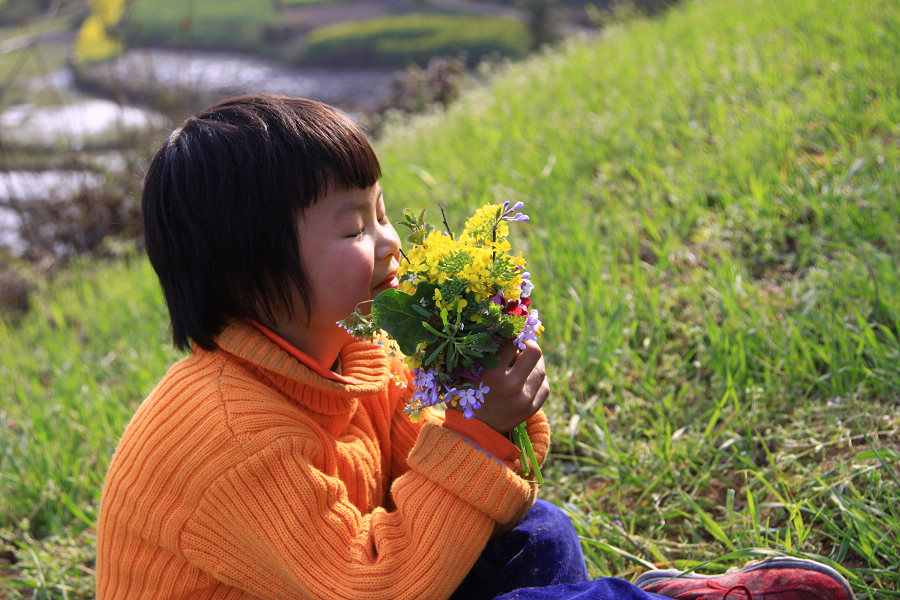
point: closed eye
(384, 220)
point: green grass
(204, 23)
(714, 237)
(73, 370)
(400, 40)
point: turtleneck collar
(364, 368)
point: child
(275, 460)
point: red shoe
(782, 578)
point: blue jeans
(540, 559)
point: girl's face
(350, 252)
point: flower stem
(529, 460)
(446, 225)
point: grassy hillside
(714, 237)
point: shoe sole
(780, 562)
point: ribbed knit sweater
(250, 472)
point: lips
(390, 281)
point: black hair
(221, 201)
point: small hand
(519, 387)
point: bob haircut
(222, 198)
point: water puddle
(206, 75)
(73, 125)
(45, 185)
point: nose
(388, 242)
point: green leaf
(424, 291)
(424, 312)
(393, 312)
(419, 228)
(434, 354)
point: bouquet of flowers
(460, 300)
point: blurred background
(88, 87)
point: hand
(519, 387)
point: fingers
(541, 395)
(536, 386)
(525, 361)
(519, 387)
(526, 374)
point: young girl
(275, 460)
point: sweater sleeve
(276, 527)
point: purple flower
(526, 286)
(530, 330)
(449, 392)
(471, 399)
(507, 211)
(423, 377)
(427, 387)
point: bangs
(316, 146)
(342, 159)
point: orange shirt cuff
(483, 436)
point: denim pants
(540, 559)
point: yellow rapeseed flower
(480, 227)
(479, 256)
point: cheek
(347, 271)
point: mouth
(389, 282)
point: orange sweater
(248, 473)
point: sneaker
(782, 578)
